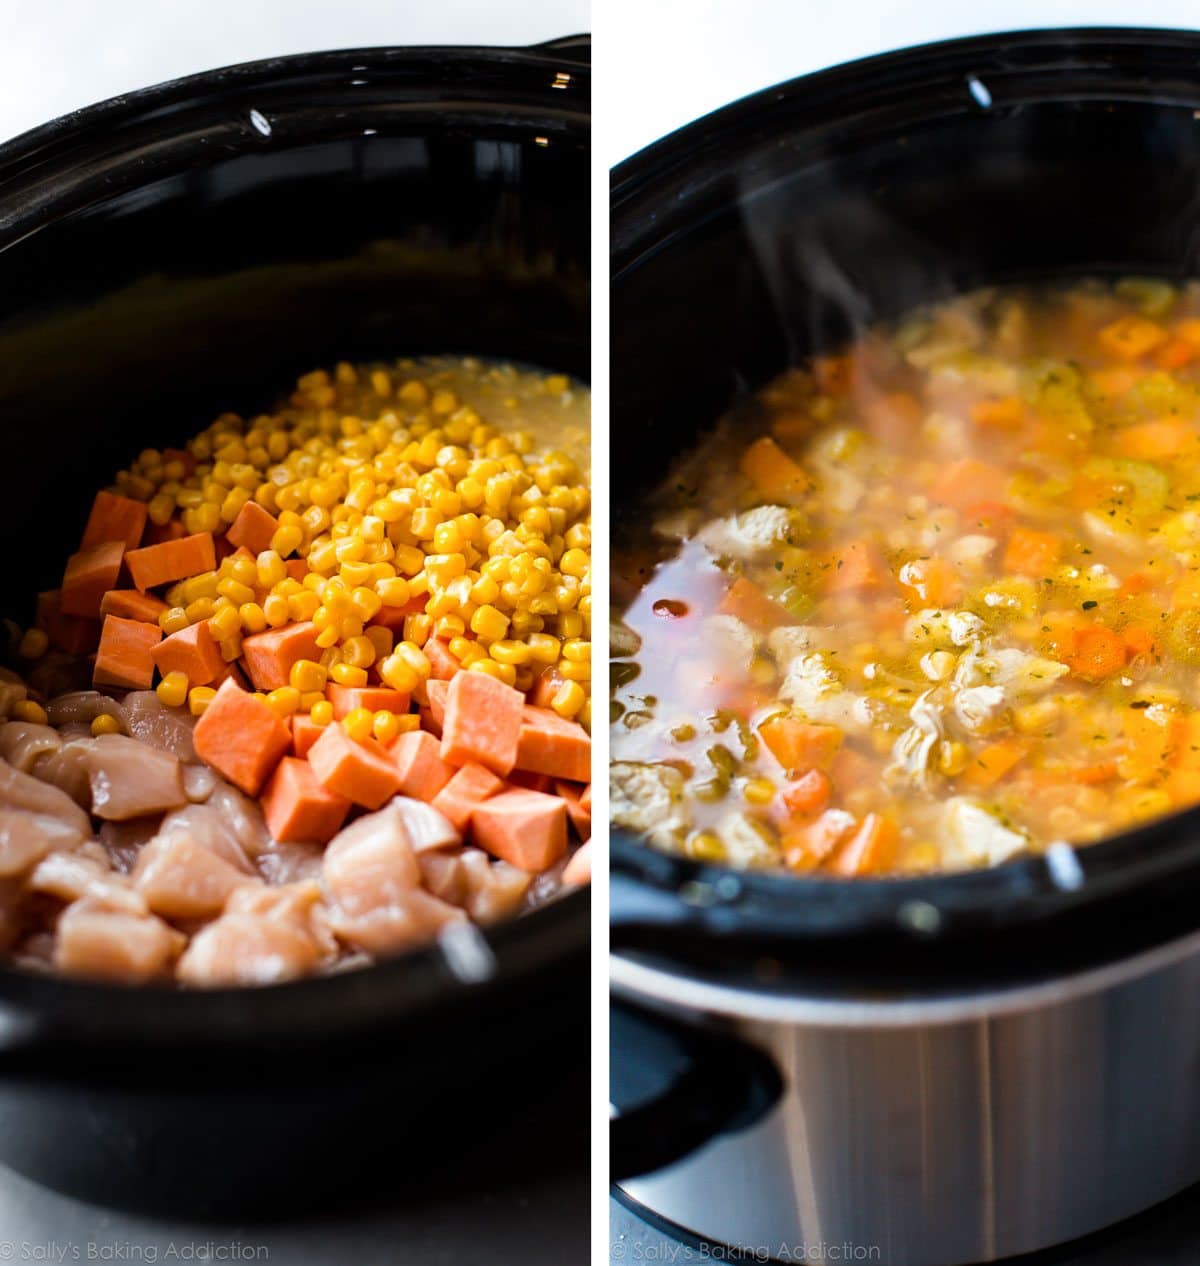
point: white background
(661, 63)
(57, 55)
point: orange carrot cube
(253, 528)
(418, 760)
(90, 574)
(550, 744)
(465, 792)
(359, 771)
(132, 605)
(156, 565)
(528, 829)
(192, 651)
(241, 738)
(374, 698)
(269, 656)
(114, 518)
(482, 722)
(298, 808)
(125, 656)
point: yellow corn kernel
(385, 726)
(275, 610)
(568, 699)
(173, 620)
(358, 722)
(502, 672)
(488, 623)
(230, 648)
(29, 710)
(302, 606)
(284, 700)
(759, 791)
(358, 652)
(254, 619)
(224, 623)
(575, 671)
(235, 591)
(270, 569)
(34, 644)
(199, 697)
(570, 624)
(393, 592)
(509, 652)
(105, 723)
(306, 675)
(367, 602)
(348, 675)
(449, 626)
(381, 638)
(200, 609)
(328, 638)
(415, 658)
(286, 540)
(577, 651)
(543, 648)
(173, 690)
(397, 673)
(321, 713)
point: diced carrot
(465, 792)
(240, 737)
(90, 574)
(993, 761)
(528, 829)
(933, 582)
(1139, 641)
(1174, 354)
(869, 850)
(443, 664)
(253, 528)
(550, 744)
(124, 657)
(482, 722)
(374, 698)
(434, 714)
(132, 604)
(1097, 653)
(305, 732)
(297, 568)
(298, 808)
(799, 745)
(580, 818)
(809, 795)
(579, 869)
(361, 772)
(773, 473)
(156, 565)
(745, 600)
(1005, 413)
(269, 655)
(967, 482)
(1155, 441)
(1130, 337)
(192, 651)
(417, 757)
(1153, 739)
(1135, 583)
(1032, 553)
(114, 518)
(852, 567)
(1096, 774)
(70, 633)
(806, 847)
(892, 419)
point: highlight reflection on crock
(62, 1251)
(818, 1251)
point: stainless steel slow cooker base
(950, 1131)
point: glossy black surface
(773, 228)
(187, 250)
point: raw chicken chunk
(130, 779)
(469, 878)
(114, 944)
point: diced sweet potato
(132, 605)
(482, 722)
(434, 713)
(298, 808)
(253, 528)
(114, 518)
(192, 651)
(359, 771)
(305, 732)
(526, 828)
(581, 818)
(269, 656)
(125, 657)
(550, 744)
(418, 760)
(171, 560)
(90, 574)
(444, 664)
(465, 792)
(240, 737)
(375, 698)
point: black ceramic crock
(775, 228)
(187, 250)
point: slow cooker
(933, 1070)
(190, 249)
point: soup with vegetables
(928, 603)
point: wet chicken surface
(126, 856)
(930, 603)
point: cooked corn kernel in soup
(314, 690)
(931, 602)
